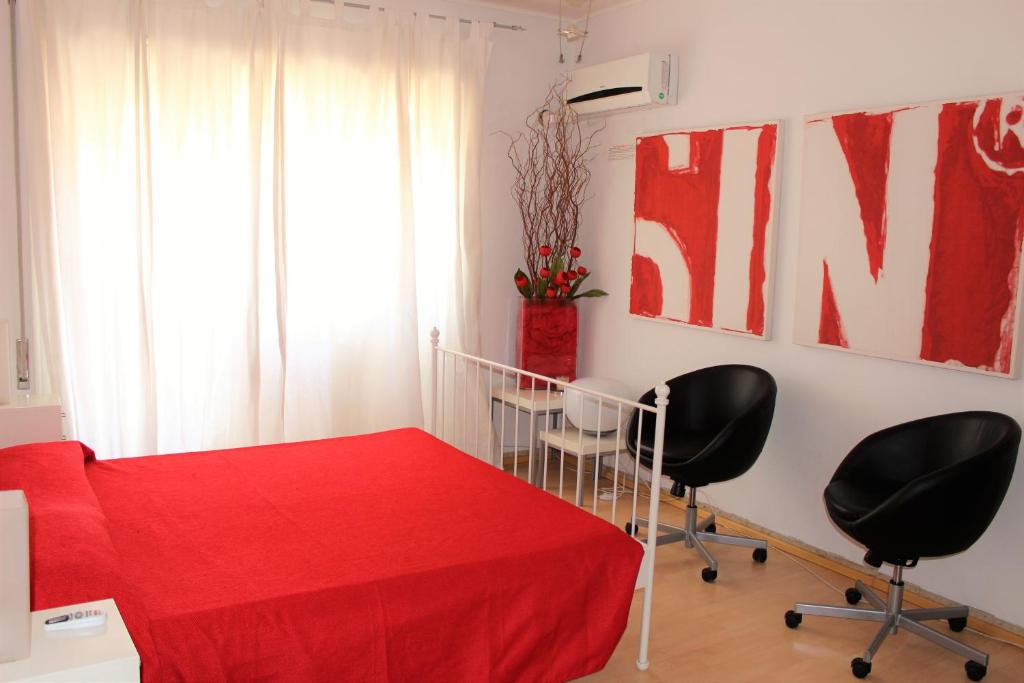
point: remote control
(85, 618)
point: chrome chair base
(695, 535)
(891, 614)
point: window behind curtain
(243, 219)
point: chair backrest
(945, 475)
(710, 398)
(706, 401)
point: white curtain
(244, 217)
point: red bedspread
(384, 557)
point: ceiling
(570, 8)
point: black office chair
(926, 488)
(717, 423)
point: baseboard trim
(979, 620)
(509, 458)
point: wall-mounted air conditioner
(643, 81)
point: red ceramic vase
(546, 340)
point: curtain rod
(356, 5)
(22, 336)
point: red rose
(575, 252)
(560, 278)
(571, 274)
(522, 280)
(545, 272)
(582, 271)
(551, 292)
(565, 289)
(545, 251)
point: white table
(529, 400)
(102, 655)
(537, 404)
(584, 446)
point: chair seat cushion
(848, 502)
(680, 450)
(683, 446)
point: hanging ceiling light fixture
(572, 32)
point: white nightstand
(31, 419)
(106, 656)
(583, 445)
(530, 401)
(542, 407)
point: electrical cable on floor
(996, 638)
(625, 488)
(798, 562)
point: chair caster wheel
(860, 668)
(975, 671)
(711, 528)
(958, 624)
(853, 596)
(760, 555)
(708, 574)
(793, 619)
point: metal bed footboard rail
(452, 411)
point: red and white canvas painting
(704, 227)
(911, 231)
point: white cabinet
(105, 654)
(30, 419)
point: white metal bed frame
(441, 400)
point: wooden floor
(733, 629)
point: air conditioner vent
(639, 82)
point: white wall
(523, 66)
(752, 60)
(9, 307)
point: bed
(382, 557)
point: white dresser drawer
(30, 420)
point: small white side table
(31, 419)
(528, 400)
(542, 407)
(102, 655)
(583, 445)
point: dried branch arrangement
(550, 159)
